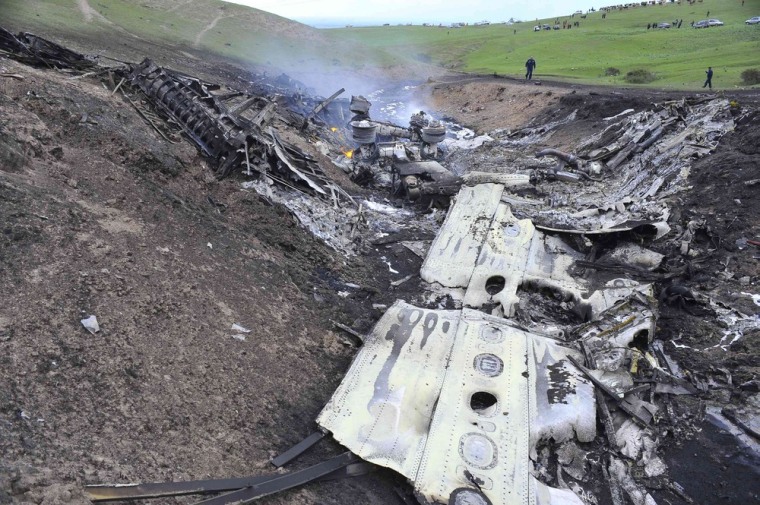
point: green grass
(678, 57)
(241, 33)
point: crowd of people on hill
(675, 24)
(530, 65)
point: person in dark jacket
(708, 82)
(529, 66)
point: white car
(715, 22)
(753, 21)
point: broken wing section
(452, 255)
(484, 248)
(514, 253)
(382, 409)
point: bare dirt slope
(100, 216)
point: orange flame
(333, 129)
(349, 154)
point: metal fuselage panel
(451, 399)
(383, 408)
(455, 250)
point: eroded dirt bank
(101, 216)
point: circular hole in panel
(495, 284)
(478, 450)
(492, 335)
(489, 365)
(640, 341)
(483, 403)
(512, 230)
(467, 496)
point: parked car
(715, 22)
(753, 21)
(663, 25)
(702, 24)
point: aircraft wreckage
(553, 331)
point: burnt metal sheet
(461, 408)
(33, 50)
(562, 401)
(382, 409)
(608, 341)
(483, 248)
(452, 256)
(513, 252)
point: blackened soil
(713, 469)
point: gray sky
(322, 13)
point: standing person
(708, 82)
(529, 66)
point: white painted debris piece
(242, 331)
(452, 256)
(456, 401)
(91, 324)
(483, 248)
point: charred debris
(236, 129)
(530, 369)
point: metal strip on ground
(114, 492)
(283, 482)
(298, 449)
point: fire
(333, 129)
(349, 154)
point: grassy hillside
(678, 57)
(233, 31)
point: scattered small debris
(547, 266)
(91, 324)
(401, 281)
